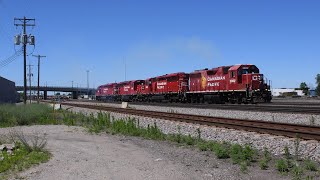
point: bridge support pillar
(45, 95)
(74, 95)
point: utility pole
(38, 88)
(30, 75)
(24, 22)
(88, 83)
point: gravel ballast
(305, 119)
(275, 144)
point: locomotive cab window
(251, 70)
(226, 69)
(232, 74)
(198, 75)
(211, 72)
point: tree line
(305, 88)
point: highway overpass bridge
(74, 90)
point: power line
(10, 59)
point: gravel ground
(275, 144)
(79, 155)
(298, 100)
(305, 119)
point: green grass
(19, 115)
(22, 159)
(263, 164)
(221, 150)
(282, 165)
(297, 171)
(310, 165)
(266, 158)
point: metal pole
(24, 64)
(30, 82)
(39, 57)
(24, 23)
(38, 78)
(88, 83)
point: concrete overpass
(75, 91)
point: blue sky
(155, 37)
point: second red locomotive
(234, 84)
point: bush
(263, 164)
(297, 171)
(28, 151)
(243, 166)
(36, 142)
(239, 154)
(282, 166)
(310, 165)
(221, 150)
(189, 140)
(203, 146)
(236, 154)
(266, 155)
(265, 159)
(21, 160)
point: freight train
(226, 84)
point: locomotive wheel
(254, 101)
(202, 100)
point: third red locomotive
(226, 84)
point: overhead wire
(10, 59)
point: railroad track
(277, 108)
(282, 129)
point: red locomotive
(233, 84)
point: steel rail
(282, 129)
(312, 110)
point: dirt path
(79, 155)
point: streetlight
(88, 83)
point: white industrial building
(281, 91)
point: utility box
(124, 105)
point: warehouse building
(287, 92)
(8, 93)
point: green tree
(318, 84)
(304, 87)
